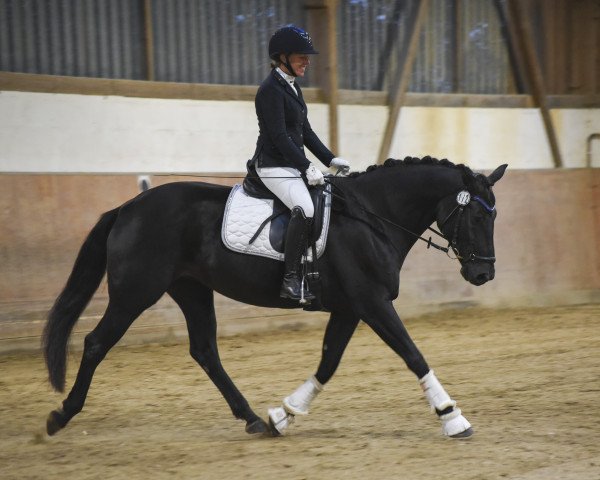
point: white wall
(42, 132)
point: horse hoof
(258, 427)
(466, 434)
(272, 430)
(55, 422)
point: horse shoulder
(362, 258)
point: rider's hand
(314, 176)
(340, 164)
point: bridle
(463, 198)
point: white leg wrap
(299, 402)
(280, 419)
(454, 423)
(435, 393)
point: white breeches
(287, 184)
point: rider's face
(299, 62)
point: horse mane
(428, 160)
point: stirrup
(306, 296)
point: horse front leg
(383, 319)
(340, 329)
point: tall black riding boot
(295, 245)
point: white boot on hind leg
(279, 420)
(453, 423)
(299, 402)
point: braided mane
(391, 162)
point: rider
(279, 157)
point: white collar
(288, 78)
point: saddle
(254, 187)
(255, 220)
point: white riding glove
(340, 164)
(314, 176)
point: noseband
(462, 200)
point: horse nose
(482, 278)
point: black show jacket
(284, 128)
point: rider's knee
(308, 210)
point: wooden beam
(405, 71)
(25, 82)
(333, 85)
(517, 84)
(391, 39)
(322, 25)
(457, 54)
(28, 82)
(149, 39)
(554, 26)
(524, 41)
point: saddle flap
(319, 198)
(249, 218)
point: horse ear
(497, 174)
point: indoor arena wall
(547, 237)
(45, 132)
(65, 159)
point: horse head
(466, 218)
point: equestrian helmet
(290, 39)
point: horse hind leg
(197, 303)
(107, 333)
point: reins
(452, 243)
(463, 199)
(428, 241)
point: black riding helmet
(290, 39)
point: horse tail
(83, 282)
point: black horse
(167, 239)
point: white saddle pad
(243, 217)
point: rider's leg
(289, 187)
(295, 245)
(287, 184)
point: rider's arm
(314, 144)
